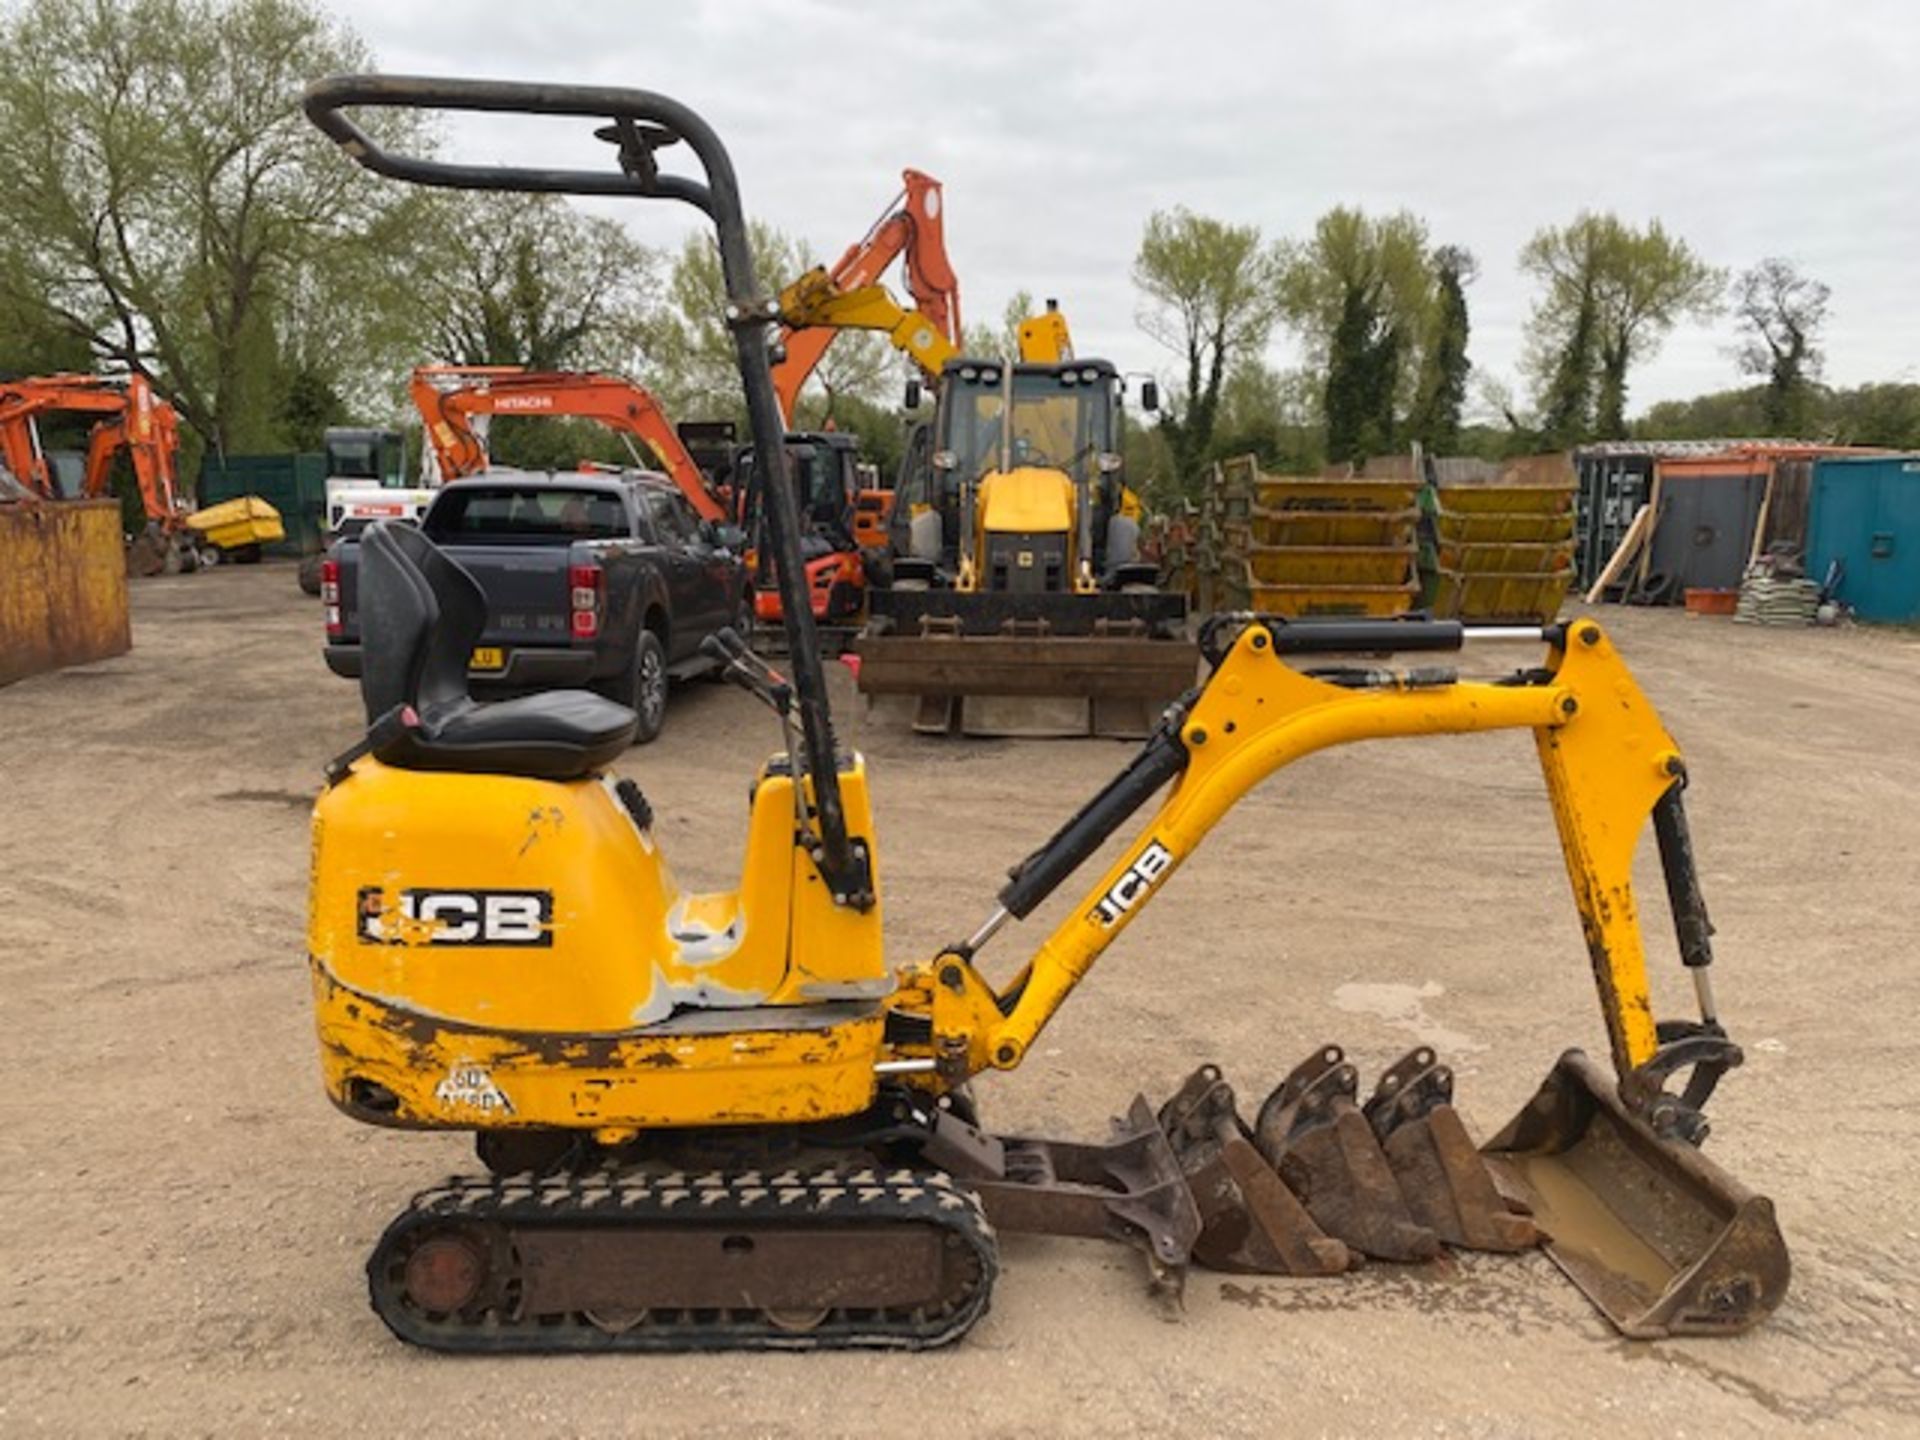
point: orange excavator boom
(912, 228)
(448, 398)
(134, 418)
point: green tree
(167, 199)
(1360, 293)
(1611, 295)
(1270, 414)
(1780, 312)
(1444, 367)
(529, 280)
(985, 340)
(32, 340)
(689, 356)
(1212, 295)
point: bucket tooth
(1442, 1176)
(1660, 1238)
(1312, 1132)
(1249, 1221)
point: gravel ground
(186, 1217)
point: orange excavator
(132, 418)
(449, 397)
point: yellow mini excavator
(731, 1120)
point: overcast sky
(1752, 128)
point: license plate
(488, 657)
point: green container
(295, 484)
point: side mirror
(912, 398)
(730, 537)
(1150, 395)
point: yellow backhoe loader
(1020, 602)
(732, 1120)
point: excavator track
(855, 1256)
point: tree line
(1382, 316)
(171, 211)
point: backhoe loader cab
(1020, 602)
(1025, 480)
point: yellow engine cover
(1027, 500)
(491, 949)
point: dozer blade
(1442, 1177)
(1249, 1221)
(1311, 1131)
(1660, 1238)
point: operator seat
(421, 614)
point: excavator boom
(848, 295)
(133, 418)
(448, 397)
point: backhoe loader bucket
(1661, 1239)
(1312, 1131)
(1442, 1177)
(1028, 664)
(1250, 1222)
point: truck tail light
(330, 596)
(588, 584)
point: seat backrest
(461, 619)
(420, 616)
(397, 617)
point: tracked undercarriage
(887, 1239)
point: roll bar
(639, 125)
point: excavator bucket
(1441, 1175)
(1660, 1238)
(1250, 1222)
(1311, 1130)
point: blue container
(1864, 511)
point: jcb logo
(1132, 886)
(457, 917)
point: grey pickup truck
(600, 580)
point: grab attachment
(1660, 1238)
(1311, 1130)
(1442, 1176)
(1250, 1222)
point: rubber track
(633, 1199)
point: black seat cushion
(554, 735)
(421, 614)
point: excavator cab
(823, 468)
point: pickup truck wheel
(649, 687)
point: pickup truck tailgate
(528, 602)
